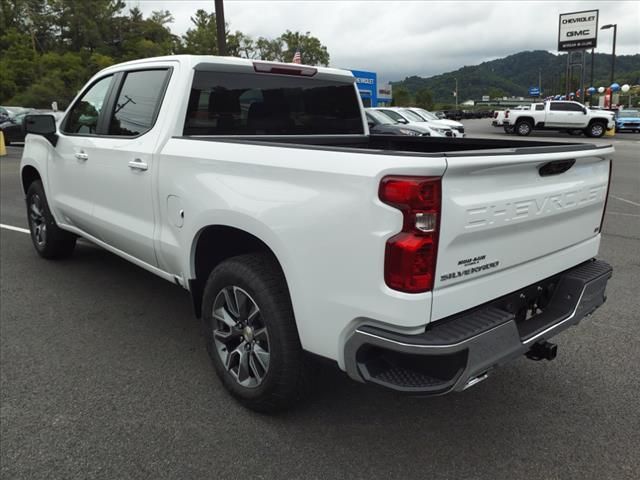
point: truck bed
(394, 144)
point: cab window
(83, 117)
(138, 102)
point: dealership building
(372, 94)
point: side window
(572, 107)
(138, 103)
(83, 117)
(539, 107)
(558, 107)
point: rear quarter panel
(318, 211)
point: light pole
(456, 93)
(613, 55)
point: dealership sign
(578, 30)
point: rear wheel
(49, 240)
(251, 333)
(595, 129)
(523, 128)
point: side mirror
(371, 124)
(585, 110)
(404, 121)
(44, 125)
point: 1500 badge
(468, 262)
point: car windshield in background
(629, 114)
(413, 116)
(380, 118)
(427, 115)
(396, 117)
(251, 104)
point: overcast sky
(400, 38)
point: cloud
(402, 38)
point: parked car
(440, 115)
(406, 116)
(417, 264)
(10, 112)
(13, 127)
(559, 115)
(432, 119)
(628, 120)
(381, 124)
(453, 114)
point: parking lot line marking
(626, 201)
(624, 214)
(15, 229)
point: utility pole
(220, 28)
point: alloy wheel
(37, 221)
(240, 336)
(597, 130)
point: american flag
(297, 58)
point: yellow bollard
(610, 132)
(3, 149)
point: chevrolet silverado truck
(499, 116)
(571, 117)
(414, 263)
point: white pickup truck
(571, 117)
(418, 264)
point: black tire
(49, 240)
(595, 129)
(256, 281)
(523, 128)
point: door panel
(70, 168)
(123, 181)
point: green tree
(401, 97)
(311, 49)
(496, 93)
(202, 38)
(424, 99)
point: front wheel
(251, 333)
(49, 240)
(523, 128)
(595, 130)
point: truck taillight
(410, 256)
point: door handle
(82, 156)
(137, 164)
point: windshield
(428, 115)
(395, 116)
(629, 114)
(413, 116)
(380, 118)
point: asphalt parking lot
(103, 374)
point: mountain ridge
(514, 74)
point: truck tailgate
(504, 211)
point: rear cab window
(223, 103)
